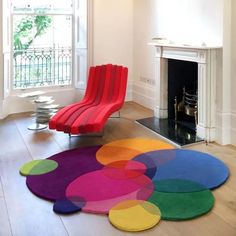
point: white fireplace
(208, 60)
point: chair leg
(92, 135)
(116, 116)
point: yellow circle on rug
(127, 149)
(38, 167)
(134, 215)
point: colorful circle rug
(136, 182)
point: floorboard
(28, 214)
(1, 190)
(40, 144)
(5, 228)
(24, 214)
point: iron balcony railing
(42, 67)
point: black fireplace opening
(182, 92)
(180, 126)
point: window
(41, 43)
(77, 13)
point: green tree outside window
(27, 30)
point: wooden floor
(23, 214)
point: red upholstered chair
(104, 95)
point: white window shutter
(80, 43)
(6, 46)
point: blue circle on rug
(66, 206)
(190, 165)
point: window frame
(43, 88)
(81, 50)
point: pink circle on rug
(125, 169)
(98, 186)
(104, 206)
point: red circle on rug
(125, 169)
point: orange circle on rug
(127, 149)
(134, 215)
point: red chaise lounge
(104, 95)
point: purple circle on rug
(71, 165)
(195, 166)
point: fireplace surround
(207, 64)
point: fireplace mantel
(208, 59)
(187, 46)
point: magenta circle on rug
(71, 165)
(102, 191)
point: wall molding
(223, 127)
(129, 90)
(233, 128)
(144, 95)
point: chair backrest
(107, 83)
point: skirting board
(233, 137)
(233, 128)
(144, 95)
(223, 128)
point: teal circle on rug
(177, 186)
(38, 167)
(183, 206)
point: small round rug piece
(38, 167)
(134, 215)
(183, 206)
(65, 206)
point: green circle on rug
(134, 215)
(183, 206)
(38, 167)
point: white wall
(233, 73)
(145, 28)
(185, 21)
(190, 21)
(1, 63)
(113, 34)
(226, 105)
(223, 99)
